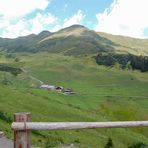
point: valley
(103, 93)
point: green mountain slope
(22, 44)
(127, 44)
(75, 40)
(102, 94)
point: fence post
(22, 138)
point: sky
(119, 17)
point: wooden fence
(23, 126)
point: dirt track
(5, 143)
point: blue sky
(121, 17)
(66, 8)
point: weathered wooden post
(22, 138)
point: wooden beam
(75, 125)
(22, 138)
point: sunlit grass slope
(102, 94)
(127, 44)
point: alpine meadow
(106, 73)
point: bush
(77, 141)
(53, 140)
(13, 70)
(16, 59)
(5, 117)
(138, 145)
(6, 81)
(109, 143)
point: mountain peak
(44, 33)
(76, 26)
(73, 27)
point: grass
(127, 44)
(102, 94)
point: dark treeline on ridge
(124, 61)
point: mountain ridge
(75, 40)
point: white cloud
(13, 13)
(18, 29)
(56, 28)
(24, 27)
(124, 17)
(75, 19)
(14, 23)
(13, 8)
(3, 22)
(41, 20)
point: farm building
(48, 87)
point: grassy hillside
(127, 44)
(75, 40)
(102, 94)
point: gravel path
(5, 143)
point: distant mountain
(24, 43)
(75, 40)
(43, 35)
(127, 44)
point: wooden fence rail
(23, 126)
(75, 125)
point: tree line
(124, 61)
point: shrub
(16, 59)
(109, 143)
(77, 141)
(5, 117)
(6, 81)
(138, 145)
(13, 70)
(53, 140)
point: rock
(1, 134)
